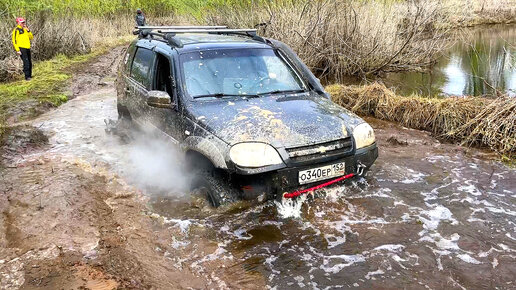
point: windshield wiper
(283, 92)
(222, 95)
(217, 95)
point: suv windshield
(237, 72)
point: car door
(167, 120)
(139, 81)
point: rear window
(140, 70)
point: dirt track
(75, 214)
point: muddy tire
(215, 187)
(209, 181)
(123, 112)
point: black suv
(252, 119)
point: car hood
(282, 121)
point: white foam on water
(439, 254)
(448, 244)
(415, 177)
(269, 261)
(470, 188)
(505, 247)
(502, 210)
(473, 219)
(473, 165)
(382, 192)
(405, 175)
(220, 254)
(299, 280)
(446, 159)
(184, 225)
(241, 234)
(370, 275)
(179, 244)
(334, 240)
(468, 259)
(435, 216)
(348, 261)
(379, 221)
(494, 263)
(289, 207)
(335, 193)
(510, 237)
(434, 193)
(475, 201)
(398, 259)
(389, 247)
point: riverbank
(468, 121)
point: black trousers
(27, 62)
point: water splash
(290, 207)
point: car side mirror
(159, 99)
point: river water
(427, 215)
(481, 62)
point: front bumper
(284, 180)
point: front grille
(321, 150)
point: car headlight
(254, 155)
(364, 135)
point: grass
(476, 121)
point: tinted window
(141, 66)
(128, 59)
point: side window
(128, 59)
(140, 70)
(162, 81)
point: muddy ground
(82, 209)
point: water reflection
(481, 63)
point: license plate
(322, 173)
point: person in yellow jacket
(21, 42)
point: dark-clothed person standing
(140, 18)
(21, 42)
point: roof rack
(201, 30)
(180, 27)
(168, 33)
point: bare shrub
(339, 38)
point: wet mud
(93, 210)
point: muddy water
(426, 215)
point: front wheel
(215, 187)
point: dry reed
(470, 120)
